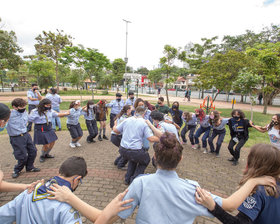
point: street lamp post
(126, 58)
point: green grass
(73, 92)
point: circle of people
(135, 123)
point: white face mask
(91, 106)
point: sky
(154, 23)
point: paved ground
(105, 181)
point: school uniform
(56, 101)
(89, 116)
(163, 197)
(73, 124)
(98, 113)
(32, 104)
(130, 101)
(43, 132)
(204, 128)
(146, 142)
(116, 140)
(180, 114)
(116, 107)
(166, 127)
(134, 130)
(189, 126)
(219, 131)
(24, 149)
(36, 208)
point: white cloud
(99, 24)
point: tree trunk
(265, 102)
(166, 89)
(92, 95)
(56, 75)
(251, 103)
(242, 99)
(202, 93)
(217, 93)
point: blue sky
(99, 24)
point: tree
(170, 55)
(20, 76)
(43, 71)
(51, 45)
(155, 75)
(76, 77)
(247, 82)
(89, 60)
(106, 80)
(142, 70)
(118, 69)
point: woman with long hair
(101, 112)
(125, 113)
(239, 133)
(190, 125)
(89, 115)
(203, 120)
(43, 132)
(73, 124)
(217, 129)
(56, 101)
(273, 130)
(176, 113)
(263, 205)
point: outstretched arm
(258, 128)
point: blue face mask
(2, 129)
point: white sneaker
(77, 144)
(72, 145)
(196, 146)
(205, 150)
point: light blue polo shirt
(32, 94)
(90, 116)
(73, 117)
(222, 125)
(55, 99)
(35, 118)
(134, 130)
(164, 127)
(163, 197)
(116, 106)
(17, 123)
(192, 121)
(205, 122)
(130, 102)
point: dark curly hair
(41, 106)
(240, 112)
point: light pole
(126, 58)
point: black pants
(236, 152)
(112, 120)
(138, 160)
(92, 129)
(30, 108)
(24, 151)
(221, 135)
(184, 131)
(119, 161)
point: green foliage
(51, 45)
(77, 77)
(9, 50)
(247, 82)
(118, 69)
(142, 71)
(155, 75)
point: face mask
(159, 102)
(132, 98)
(118, 100)
(21, 110)
(274, 122)
(47, 108)
(174, 107)
(91, 106)
(236, 118)
(2, 129)
(211, 116)
(35, 89)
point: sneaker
(193, 147)
(72, 145)
(104, 137)
(77, 144)
(235, 163)
(34, 170)
(42, 159)
(217, 155)
(15, 175)
(48, 156)
(205, 150)
(231, 159)
(197, 146)
(184, 143)
(212, 152)
(99, 138)
(59, 129)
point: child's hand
(204, 198)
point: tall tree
(118, 69)
(91, 61)
(51, 45)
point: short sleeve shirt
(163, 109)
(274, 137)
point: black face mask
(47, 108)
(274, 122)
(132, 98)
(174, 107)
(236, 118)
(118, 100)
(21, 110)
(35, 89)
(159, 102)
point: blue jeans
(56, 119)
(221, 135)
(199, 132)
(184, 131)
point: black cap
(118, 94)
(4, 111)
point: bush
(104, 92)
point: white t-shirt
(274, 137)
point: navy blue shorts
(75, 130)
(44, 134)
